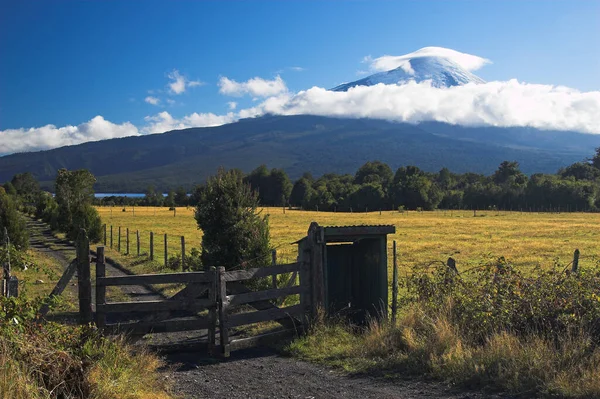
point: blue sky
(63, 63)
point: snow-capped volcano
(443, 67)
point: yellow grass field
(525, 239)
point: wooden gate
(214, 300)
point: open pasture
(525, 239)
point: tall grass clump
(492, 328)
(52, 360)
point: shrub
(13, 222)
(234, 233)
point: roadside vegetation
(495, 328)
(48, 359)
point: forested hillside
(299, 144)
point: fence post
(174, 211)
(83, 278)
(6, 267)
(12, 287)
(127, 238)
(166, 251)
(212, 311)
(575, 261)
(395, 286)
(151, 246)
(119, 240)
(451, 263)
(100, 289)
(182, 253)
(137, 236)
(274, 263)
(223, 304)
(111, 237)
(105, 234)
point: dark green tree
(181, 197)
(74, 196)
(13, 222)
(234, 233)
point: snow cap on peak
(466, 61)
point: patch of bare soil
(263, 373)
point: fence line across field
(138, 236)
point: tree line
(67, 211)
(375, 186)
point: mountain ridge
(299, 144)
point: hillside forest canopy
(376, 186)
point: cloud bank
(388, 62)
(49, 136)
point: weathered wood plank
(60, 286)
(249, 297)
(84, 280)
(239, 288)
(223, 316)
(212, 314)
(166, 278)
(264, 315)
(240, 275)
(155, 306)
(140, 328)
(100, 291)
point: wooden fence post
(395, 286)
(127, 240)
(119, 240)
(137, 236)
(315, 243)
(105, 234)
(223, 304)
(182, 253)
(274, 263)
(12, 287)
(83, 278)
(174, 211)
(100, 289)
(212, 312)
(451, 264)
(166, 251)
(151, 246)
(575, 266)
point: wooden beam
(249, 297)
(240, 275)
(100, 290)
(155, 306)
(141, 328)
(60, 286)
(223, 316)
(83, 278)
(165, 278)
(264, 315)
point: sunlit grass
(526, 239)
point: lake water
(131, 195)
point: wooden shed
(349, 269)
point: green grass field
(525, 239)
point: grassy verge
(58, 361)
(498, 328)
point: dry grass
(419, 345)
(526, 239)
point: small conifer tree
(235, 235)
